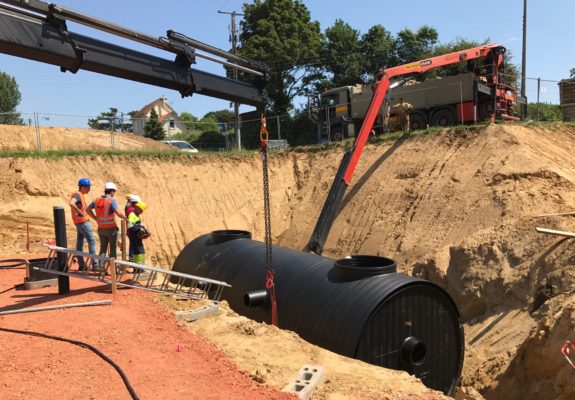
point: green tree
(221, 116)
(281, 34)
(544, 112)
(112, 120)
(342, 58)
(225, 119)
(412, 46)
(572, 73)
(187, 117)
(153, 129)
(377, 49)
(9, 99)
(207, 124)
(190, 120)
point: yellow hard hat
(141, 205)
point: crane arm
(37, 31)
(349, 162)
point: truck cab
(339, 112)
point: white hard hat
(110, 186)
(133, 198)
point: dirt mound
(457, 207)
(18, 138)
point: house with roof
(167, 116)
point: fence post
(112, 132)
(113, 274)
(538, 90)
(38, 135)
(279, 129)
(123, 233)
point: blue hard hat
(84, 182)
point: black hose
(16, 262)
(12, 288)
(85, 345)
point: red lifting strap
(566, 349)
(271, 287)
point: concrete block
(29, 285)
(307, 380)
(194, 315)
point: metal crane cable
(270, 272)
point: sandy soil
(458, 208)
(55, 138)
(161, 359)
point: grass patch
(162, 154)
(58, 154)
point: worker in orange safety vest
(82, 223)
(104, 211)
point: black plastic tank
(358, 307)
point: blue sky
(45, 89)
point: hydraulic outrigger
(38, 31)
(502, 108)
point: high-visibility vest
(102, 210)
(76, 216)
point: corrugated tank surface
(390, 320)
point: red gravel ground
(161, 359)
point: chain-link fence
(37, 131)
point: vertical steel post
(123, 233)
(523, 60)
(538, 90)
(61, 241)
(38, 134)
(279, 128)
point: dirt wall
(458, 208)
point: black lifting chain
(270, 272)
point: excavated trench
(457, 208)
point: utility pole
(523, 58)
(234, 41)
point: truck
(340, 111)
(465, 98)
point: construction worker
(137, 233)
(104, 211)
(131, 201)
(82, 223)
(402, 109)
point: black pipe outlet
(357, 307)
(229, 234)
(256, 298)
(361, 266)
(413, 351)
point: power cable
(12, 288)
(85, 345)
(13, 263)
